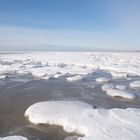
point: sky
(70, 25)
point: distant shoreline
(43, 51)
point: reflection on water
(17, 93)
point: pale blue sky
(70, 25)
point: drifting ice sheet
(94, 124)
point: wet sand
(17, 93)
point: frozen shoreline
(97, 78)
(51, 63)
(75, 66)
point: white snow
(2, 77)
(135, 84)
(75, 78)
(120, 93)
(94, 124)
(58, 75)
(117, 91)
(121, 87)
(42, 64)
(102, 80)
(118, 74)
(13, 138)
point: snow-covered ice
(117, 91)
(135, 84)
(94, 124)
(2, 76)
(118, 74)
(121, 87)
(102, 80)
(106, 87)
(81, 118)
(42, 64)
(75, 78)
(120, 93)
(13, 138)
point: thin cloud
(13, 37)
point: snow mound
(120, 93)
(102, 80)
(81, 118)
(135, 84)
(13, 138)
(75, 78)
(106, 87)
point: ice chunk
(119, 74)
(75, 78)
(81, 118)
(13, 138)
(39, 72)
(3, 76)
(121, 87)
(135, 84)
(120, 93)
(58, 75)
(106, 87)
(102, 80)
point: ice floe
(106, 87)
(121, 87)
(13, 138)
(58, 75)
(81, 118)
(102, 80)
(117, 91)
(120, 93)
(74, 78)
(135, 84)
(2, 76)
(119, 75)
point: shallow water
(17, 93)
